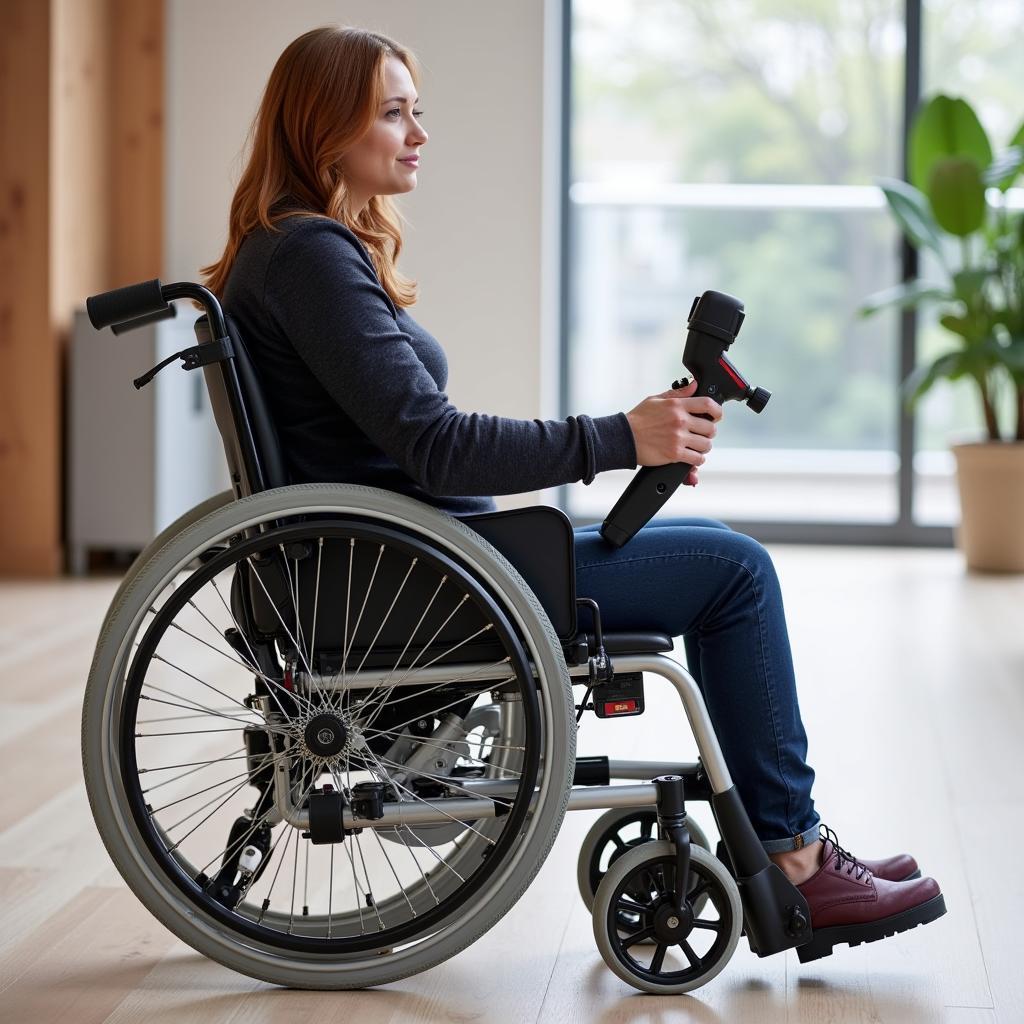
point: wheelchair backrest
(537, 540)
(268, 446)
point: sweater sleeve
(324, 295)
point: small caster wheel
(689, 948)
(615, 833)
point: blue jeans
(699, 579)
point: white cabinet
(137, 459)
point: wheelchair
(356, 718)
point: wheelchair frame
(774, 912)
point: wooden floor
(911, 676)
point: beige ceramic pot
(990, 478)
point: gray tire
(599, 830)
(144, 874)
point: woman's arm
(324, 295)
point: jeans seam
(764, 657)
(651, 558)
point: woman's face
(374, 165)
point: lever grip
(649, 489)
(128, 303)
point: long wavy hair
(321, 98)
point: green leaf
(912, 212)
(922, 378)
(1005, 168)
(945, 127)
(1011, 356)
(968, 327)
(957, 195)
(908, 295)
(967, 284)
(1014, 358)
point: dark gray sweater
(356, 386)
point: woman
(309, 273)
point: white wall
(482, 234)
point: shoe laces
(843, 857)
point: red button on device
(620, 707)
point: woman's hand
(667, 428)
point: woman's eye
(398, 110)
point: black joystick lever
(712, 326)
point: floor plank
(910, 676)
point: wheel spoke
(387, 614)
(216, 785)
(698, 892)
(711, 926)
(359, 618)
(415, 796)
(369, 887)
(434, 711)
(434, 854)
(398, 660)
(640, 936)
(208, 711)
(689, 953)
(446, 779)
(659, 958)
(235, 755)
(280, 619)
(631, 907)
(272, 683)
(472, 674)
(426, 646)
(419, 867)
(447, 750)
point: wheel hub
(672, 925)
(325, 735)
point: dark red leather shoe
(892, 869)
(850, 904)
(900, 868)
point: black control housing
(714, 321)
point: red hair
(321, 98)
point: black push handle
(150, 318)
(129, 303)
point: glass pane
(825, 445)
(740, 91)
(973, 51)
(741, 140)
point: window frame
(904, 531)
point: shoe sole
(824, 939)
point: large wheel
(689, 947)
(254, 660)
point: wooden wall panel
(138, 141)
(81, 196)
(81, 211)
(29, 367)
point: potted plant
(955, 211)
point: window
(734, 146)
